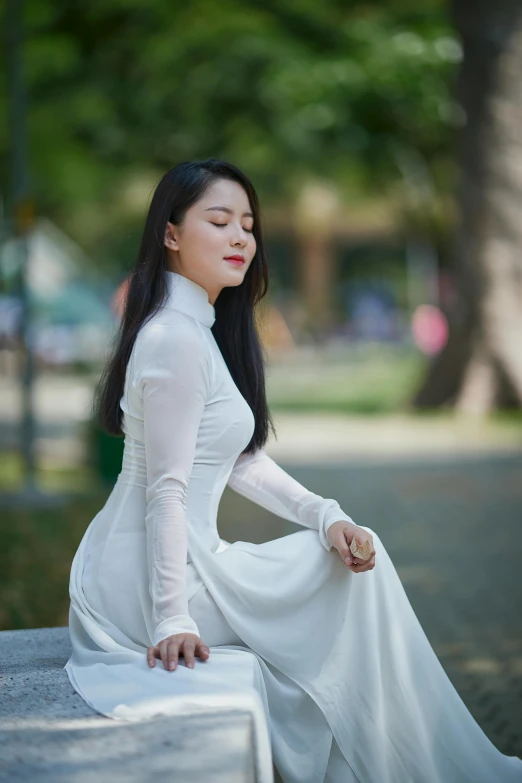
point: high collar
(189, 297)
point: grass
(373, 380)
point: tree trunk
(314, 219)
(481, 366)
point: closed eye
(222, 225)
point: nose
(242, 238)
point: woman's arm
(260, 479)
(173, 385)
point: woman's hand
(340, 535)
(189, 644)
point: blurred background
(384, 142)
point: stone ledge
(49, 734)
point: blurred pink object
(430, 329)
(119, 299)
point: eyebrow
(230, 211)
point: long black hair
(234, 328)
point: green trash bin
(107, 452)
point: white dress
(339, 659)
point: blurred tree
(292, 91)
(481, 367)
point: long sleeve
(260, 479)
(173, 385)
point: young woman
(355, 692)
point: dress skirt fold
(354, 644)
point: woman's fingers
(152, 654)
(358, 564)
(169, 653)
(366, 565)
(188, 653)
(360, 561)
(202, 651)
(344, 546)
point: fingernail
(348, 561)
(172, 665)
(191, 665)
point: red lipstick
(237, 260)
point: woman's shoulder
(168, 325)
(172, 337)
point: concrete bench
(48, 734)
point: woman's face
(218, 226)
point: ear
(170, 240)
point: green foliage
(120, 91)
(37, 545)
(35, 560)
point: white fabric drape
(345, 649)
